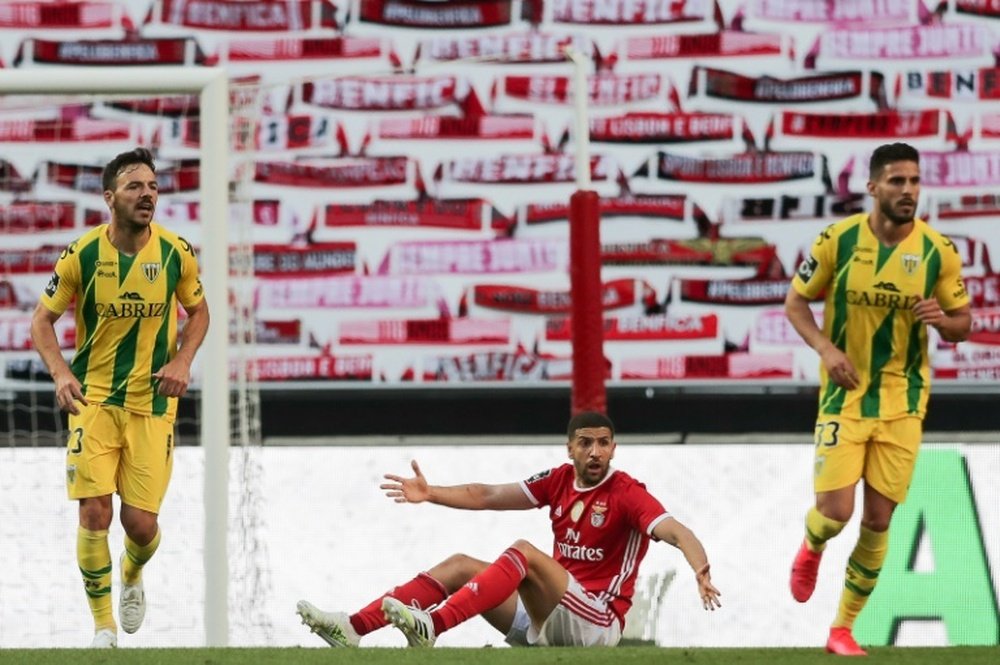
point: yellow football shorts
(111, 449)
(883, 452)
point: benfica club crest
(151, 271)
(910, 263)
(597, 515)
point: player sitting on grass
(602, 522)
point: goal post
(212, 86)
(586, 307)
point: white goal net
(58, 127)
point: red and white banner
(475, 257)
(779, 208)
(935, 40)
(273, 133)
(11, 180)
(8, 297)
(728, 43)
(984, 292)
(349, 172)
(986, 8)
(510, 366)
(629, 12)
(605, 88)
(23, 261)
(483, 127)
(181, 177)
(374, 291)
(727, 366)
(455, 14)
(15, 332)
(168, 106)
(659, 327)
(989, 125)
(755, 252)
(278, 332)
(37, 216)
(985, 326)
(742, 168)
(965, 362)
(878, 125)
(385, 94)
(303, 48)
(426, 331)
(324, 258)
(522, 169)
(245, 15)
(663, 128)
(735, 292)
(169, 51)
(832, 11)
(965, 206)
(433, 213)
(669, 207)
(959, 169)
(615, 294)
(324, 367)
(803, 89)
(524, 47)
(45, 15)
(772, 327)
(265, 212)
(958, 85)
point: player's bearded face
(592, 451)
(134, 199)
(897, 191)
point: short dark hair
(888, 153)
(588, 419)
(109, 178)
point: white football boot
(415, 624)
(333, 627)
(131, 603)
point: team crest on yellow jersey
(910, 263)
(151, 271)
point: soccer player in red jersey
(602, 522)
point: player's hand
(173, 378)
(709, 594)
(407, 490)
(929, 312)
(839, 368)
(69, 392)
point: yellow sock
(94, 558)
(136, 557)
(819, 529)
(863, 568)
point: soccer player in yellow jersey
(887, 277)
(122, 385)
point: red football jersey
(601, 533)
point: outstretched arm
(472, 496)
(672, 531)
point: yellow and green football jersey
(126, 314)
(870, 291)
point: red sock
(422, 591)
(483, 592)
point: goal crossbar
(211, 84)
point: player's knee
(95, 514)
(525, 548)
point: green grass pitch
(489, 656)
